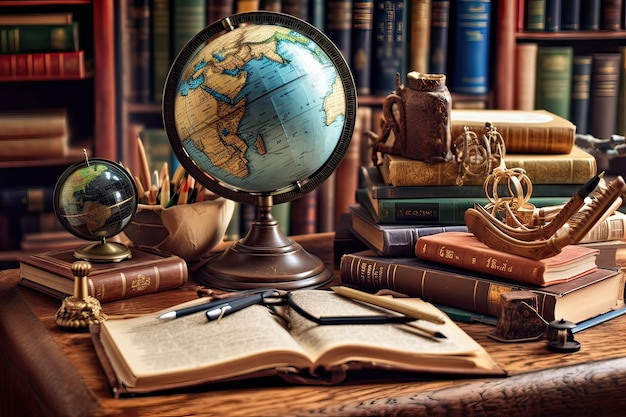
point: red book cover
(464, 250)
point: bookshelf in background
(590, 28)
(42, 78)
(358, 22)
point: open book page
(146, 351)
(395, 345)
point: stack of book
(403, 203)
(453, 269)
(40, 46)
(34, 134)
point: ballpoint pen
(212, 305)
(227, 307)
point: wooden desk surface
(45, 371)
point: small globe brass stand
(79, 311)
(265, 258)
(103, 251)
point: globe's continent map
(96, 201)
(260, 108)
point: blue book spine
(140, 33)
(439, 28)
(553, 15)
(339, 25)
(570, 15)
(362, 19)
(390, 45)
(590, 14)
(471, 74)
(317, 13)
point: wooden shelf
(574, 35)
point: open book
(147, 354)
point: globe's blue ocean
(285, 107)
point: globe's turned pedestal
(265, 258)
(260, 108)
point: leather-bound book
(146, 272)
(605, 73)
(592, 294)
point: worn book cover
(435, 210)
(372, 179)
(576, 167)
(146, 272)
(523, 131)
(580, 299)
(396, 240)
(145, 354)
(464, 250)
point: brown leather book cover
(464, 250)
(604, 94)
(146, 272)
(594, 293)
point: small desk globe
(96, 199)
(260, 108)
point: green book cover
(535, 15)
(433, 211)
(188, 18)
(38, 38)
(554, 79)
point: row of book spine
(390, 262)
(564, 15)
(381, 37)
(40, 46)
(586, 89)
(386, 37)
(158, 29)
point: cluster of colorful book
(409, 220)
(40, 46)
(581, 84)
(584, 88)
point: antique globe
(96, 199)
(260, 108)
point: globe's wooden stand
(265, 258)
